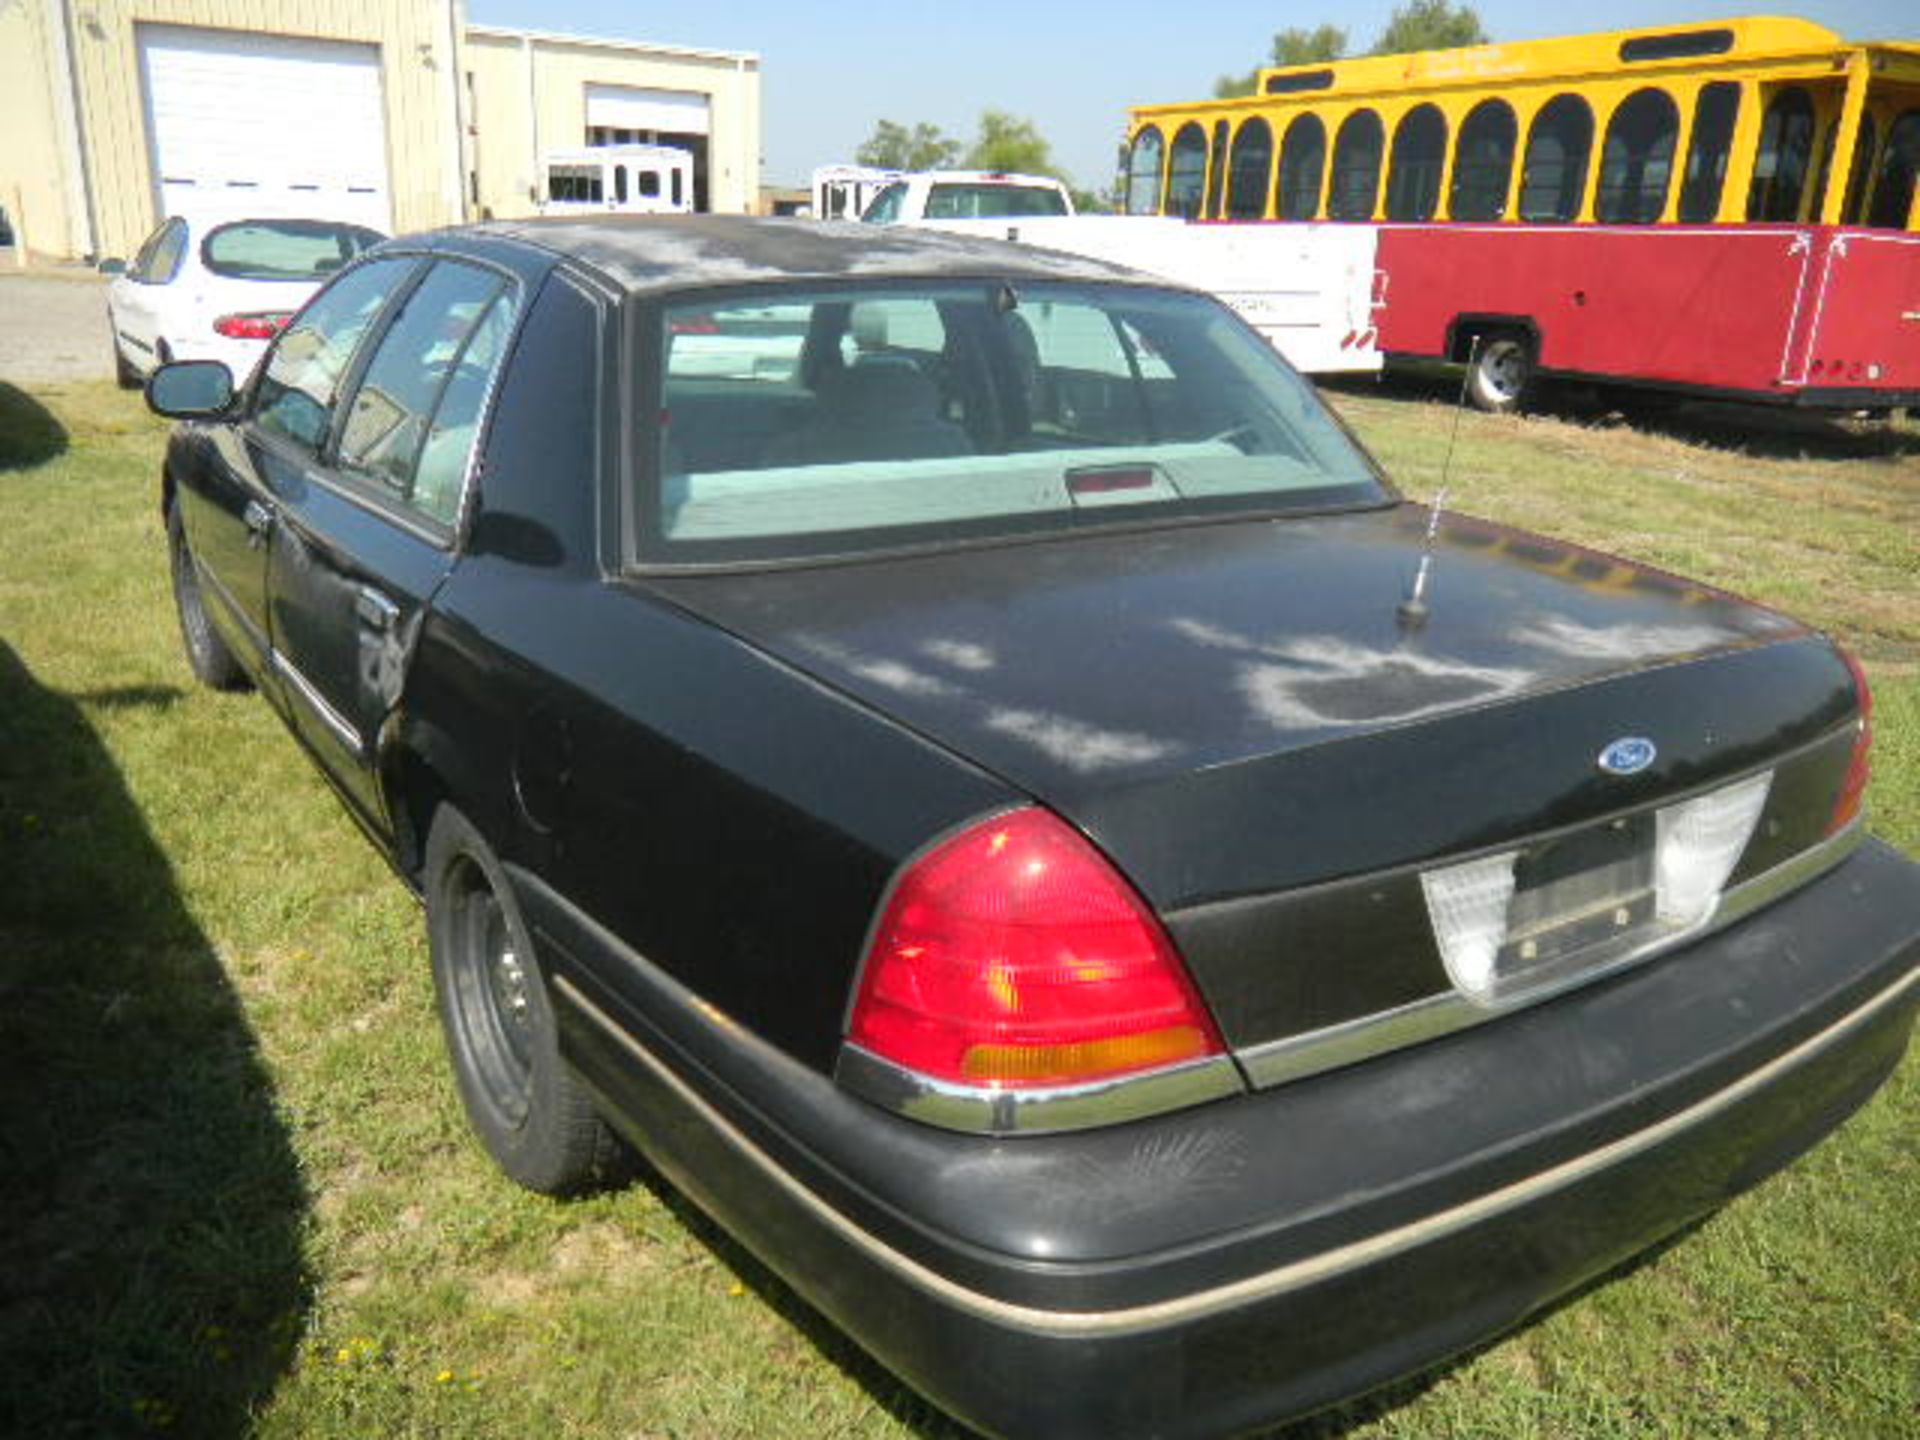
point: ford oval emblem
(1628, 755)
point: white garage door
(245, 124)
(667, 112)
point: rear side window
(300, 380)
(885, 208)
(954, 201)
(164, 261)
(410, 425)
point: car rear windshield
(795, 425)
(284, 249)
(990, 201)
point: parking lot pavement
(53, 328)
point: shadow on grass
(29, 435)
(151, 1207)
(1773, 432)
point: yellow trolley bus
(1723, 209)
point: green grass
(237, 1195)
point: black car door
(229, 500)
(366, 537)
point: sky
(1073, 67)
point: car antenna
(1412, 612)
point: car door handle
(375, 610)
(257, 518)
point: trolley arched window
(1247, 175)
(1714, 111)
(1217, 172)
(1143, 172)
(1554, 174)
(1303, 165)
(1786, 149)
(1483, 162)
(1899, 163)
(1187, 172)
(1356, 167)
(1419, 155)
(1636, 163)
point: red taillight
(250, 327)
(1014, 956)
(1853, 787)
(694, 325)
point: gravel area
(54, 327)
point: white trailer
(1311, 290)
(618, 180)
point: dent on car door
(365, 540)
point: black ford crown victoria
(930, 743)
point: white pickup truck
(1311, 290)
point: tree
(1292, 46)
(1429, 25)
(1007, 142)
(895, 147)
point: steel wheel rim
(1505, 368)
(493, 994)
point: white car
(220, 291)
(967, 195)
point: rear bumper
(1256, 1258)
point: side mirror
(112, 268)
(190, 390)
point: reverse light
(1014, 956)
(1700, 841)
(1467, 905)
(251, 327)
(1853, 787)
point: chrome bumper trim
(1280, 1280)
(983, 1111)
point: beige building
(395, 113)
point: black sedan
(941, 747)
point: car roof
(660, 254)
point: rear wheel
(1500, 374)
(531, 1112)
(212, 662)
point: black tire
(531, 1112)
(1501, 374)
(212, 663)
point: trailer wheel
(1501, 373)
